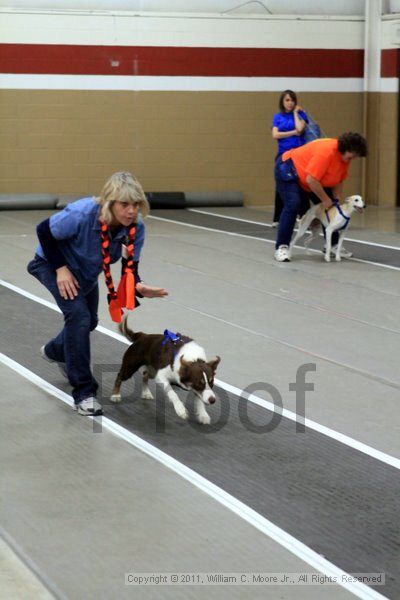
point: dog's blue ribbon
(339, 208)
(170, 336)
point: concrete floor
(85, 509)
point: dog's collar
(336, 204)
(183, 387)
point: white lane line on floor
(374, 264)
(283, 298)
(50, 586)
(330, 276)
(44, 385)
(366, 242)
(206, 212)
(250, 237)
(242, 510)
(336, 435)
(30, 296)
(315, 355)
(13, 235)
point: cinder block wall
(70, 141)
(211, 133)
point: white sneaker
(282, 254)
(89, 407)
(343, 252)
(275, 224)
(60, 365)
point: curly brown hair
(352, 142)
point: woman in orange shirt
(316, 170)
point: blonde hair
(122, 187)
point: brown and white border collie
(170, 359)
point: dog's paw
(204, 419)
(327, 258)
(338, 258)
(147, 395)
(115, 398)
(182, 412)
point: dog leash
(336, 204)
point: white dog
(335, 218)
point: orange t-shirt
(321, 159)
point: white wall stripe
(242, 510)
(186, 84)
(340, 437)
(127, 28)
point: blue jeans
(295, 201)
(72, 345)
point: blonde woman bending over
(76, 244)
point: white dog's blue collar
(339, 208)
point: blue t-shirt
(77, 227)
(285, 122)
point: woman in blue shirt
(76, 244)
(287, 128)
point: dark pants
(278, 204)
(72, 345)
(295, 202)
(278, 207)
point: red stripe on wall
(390, 63)
(147, 60)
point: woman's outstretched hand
(149, 291)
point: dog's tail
(128, 333)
